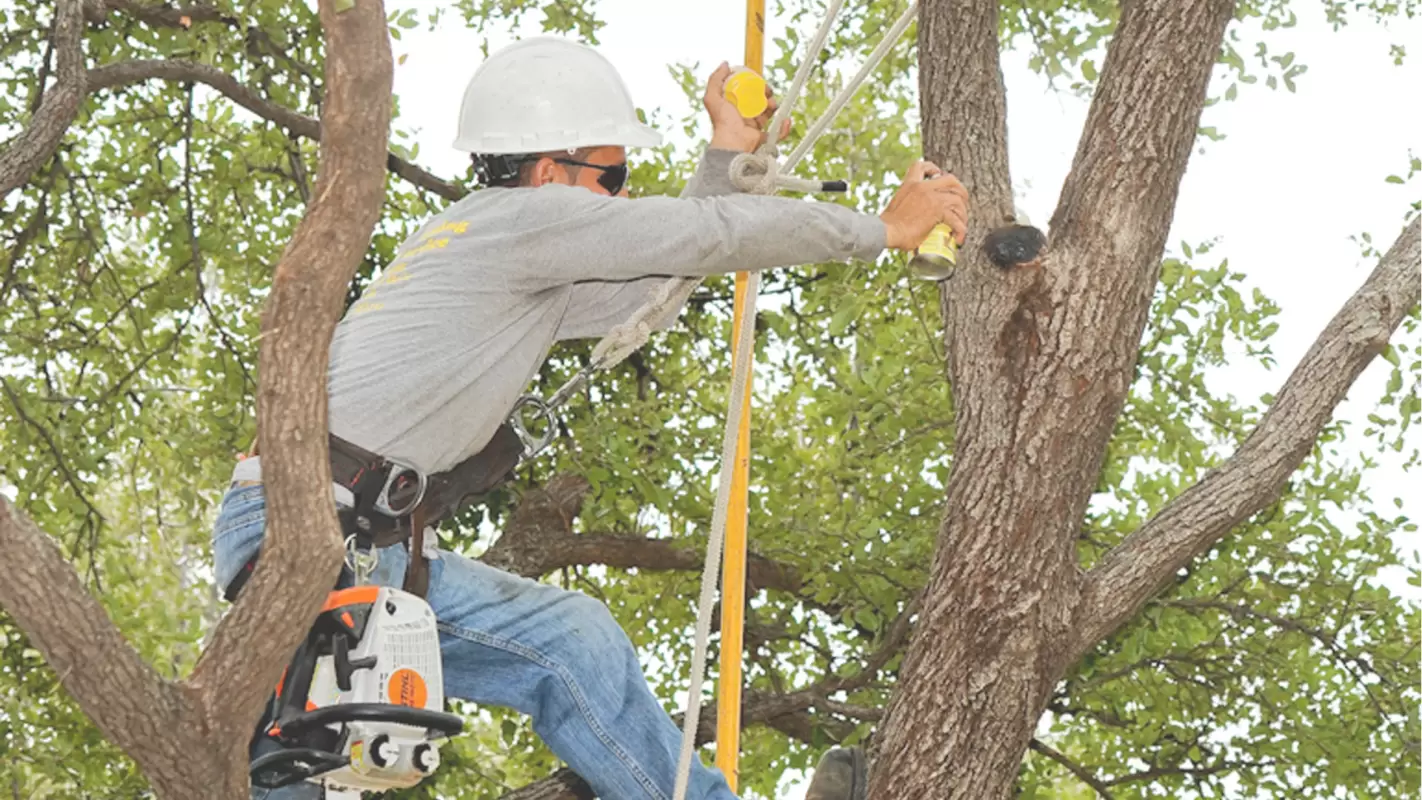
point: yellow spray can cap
(746, 91)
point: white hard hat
(547, 93)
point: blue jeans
(555, 655)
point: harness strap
(417, 570)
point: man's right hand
(927, 197)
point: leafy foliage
(134, 270)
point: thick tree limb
(125, 73)
(37, 143)
(302, 549)
(539, 539)
(1120, 196)
(1252, 478)
(965, 76)
(627, 552)
(121, 693)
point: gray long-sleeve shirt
(428, 364)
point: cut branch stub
(1015, 245)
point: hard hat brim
(624, 135)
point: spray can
(746, 91)
(937, 256)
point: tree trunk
(190, 737)
(1040, 359)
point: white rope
(758, 173)
(715, 544)
(842, 99)
(625, 339)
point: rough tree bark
(38, 141)
(1040, 359)
(189, 737)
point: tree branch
(633, 552)
(964, 103)
(195, 251)
(1120, 195)
(93, 514)
(164, 17)
(125, 73)
(302, 549)
(1074, 768)
(1135, 570)
(37, 143)
(1351, 662)
(539, 540)
(124, 697)
(1160, 772)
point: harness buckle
(404, 489)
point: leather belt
(383, 490)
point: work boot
(842, 774)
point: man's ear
(544, 171)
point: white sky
(1296, 177)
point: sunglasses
(613, 177)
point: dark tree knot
(1015, 245)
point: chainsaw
(360, 706)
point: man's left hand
(730, 130)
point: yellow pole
(733, 580)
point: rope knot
(621, 342)
(758, 172)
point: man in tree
(429, 363)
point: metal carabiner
(361, 564)
(532, 445)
